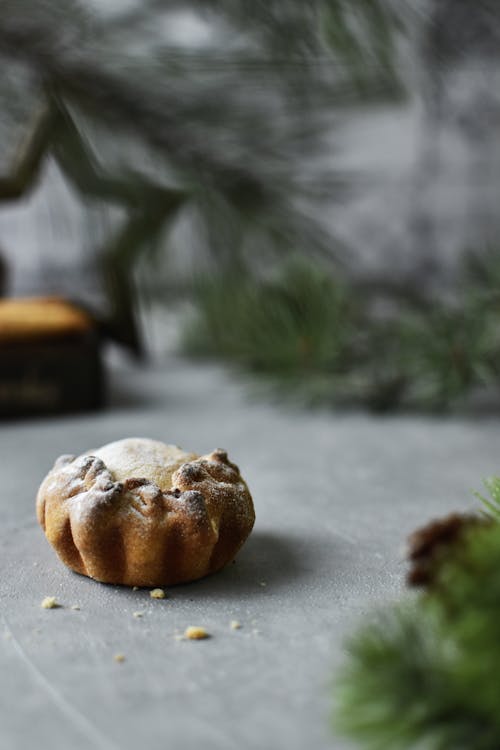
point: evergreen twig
(425, 674)
(319, 339)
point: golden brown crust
(40, 317)
(136, 533)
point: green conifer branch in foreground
(425, 675)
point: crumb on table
(76, 607)
(235, 625)
(157, 594)
(119, 658)
(137, 614)
(50, 602)
(195, 633)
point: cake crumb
(157, 594)
(263, 584)
(119, 658)
(235, 625)
(50, 602)
(137, 614)
(76, 607)
(194, 633)
(135, 588)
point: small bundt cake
(142, 513)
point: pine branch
(492, 506)
(425, 674)
(25, 169)
(404, 686)
(425, 355)
(238, 133)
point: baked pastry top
(40, 317)
(139, 457)
(142, 513)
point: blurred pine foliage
(229, 130)
(324, 341)
(425, 673)
(299, 322)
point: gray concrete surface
(335, 496)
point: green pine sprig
(314, 336)
(425, 674)
(491, 504)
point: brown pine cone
(429, 545)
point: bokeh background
(253, 224)
(308, 191)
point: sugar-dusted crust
(116, 524)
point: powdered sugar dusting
(115, 511)
(142, 457)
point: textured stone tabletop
(335, 495)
